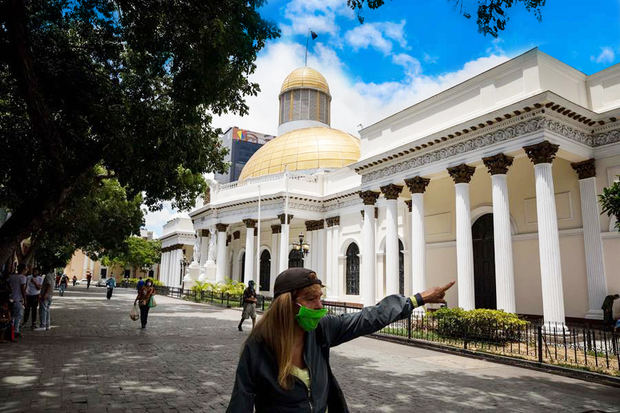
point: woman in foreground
(284, 364)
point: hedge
(480, 324)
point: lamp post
(301, 246)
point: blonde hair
(276, 329)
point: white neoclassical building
(492, 183)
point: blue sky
(409, 50)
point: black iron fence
(212, 297)
(552, 343)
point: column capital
(391, 191)
(461, 174)
(319, 224)
(369, 197)
(281, 218)
(333, 221)
(236, 235)
(417, 184)
(249, 223)
(204, 233)
(310, 225)
(543, 152)
(498, 164)
(276, 229)
(584, 169)
(221, 227)
(408, 202)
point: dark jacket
(256, 381)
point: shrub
(480, 324)
(232, 287)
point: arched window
(265, 270)
(353, 270)
(295, 259)
(401, 267)
(242, 267)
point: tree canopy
(610, 202)
(492, 15)
(122, 86)
(135, 252)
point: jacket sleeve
(338, 329)
(242, 398)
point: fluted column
(595, 264)
(204, 246)
(328, 258)
(502, 235)
(542, 156)
(275, 246)
(162, 265)
(284, 241)
(368, 275)
(417, 187)
(248, 265)
(391, 192)
(335, 222)
(461, 175)
(320, 248)
(220, 271)
(308, 236)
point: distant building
(241, 144)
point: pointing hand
(436, 294)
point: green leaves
(610, 202)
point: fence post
(263, 304)
(539, 338)
(464, 335)
(227, 300)
(409, 327)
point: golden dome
(308, 148)
(305, 78)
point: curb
(589, 376)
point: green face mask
(308, 319)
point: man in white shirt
(33, 289)
(17, 282)
(45, 300)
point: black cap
(294, 279)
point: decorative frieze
(282, 216)
(249, 223)
(172, 248)
(221, 227)
(369, 197)
(276, 229)
(416, 185)
(333, 221)
(543, 152)
(461, 174)
(585, 169)
(314, 225)
(498, 164)
(391, 191)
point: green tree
(610, 201)
(135, 252)
(96, 222)
(492, 16)
(124, 86)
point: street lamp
(301, 246)
(184, 264)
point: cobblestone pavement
(96, 359)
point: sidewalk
(96, 359)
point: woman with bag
(145, 300)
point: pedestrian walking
(139, 284)
(249, 305)
(110, 284)
(45, 301)
(17, 282)
(33, 289)
(284, 364)
(88, 278)
(145, 300)
(64, 281)
(74, 279)
(5, 307)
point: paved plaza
(96, 359)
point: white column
(335, 252)
(204, 249)
(248, 265)
(502, 238)
(320, 247)
(391, 193)
(284, 243)
(221, 262)
(595, 264)
(464, 246)
(275, 246)
(368, 267)
(327, 275)
(162, 264)
(418, 244)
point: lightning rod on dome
(314, 36)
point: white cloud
(430, 59)
(411, 64)
(316, 15)
(154, 221)
(353, 101)
(380, 36)
(607, 55)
